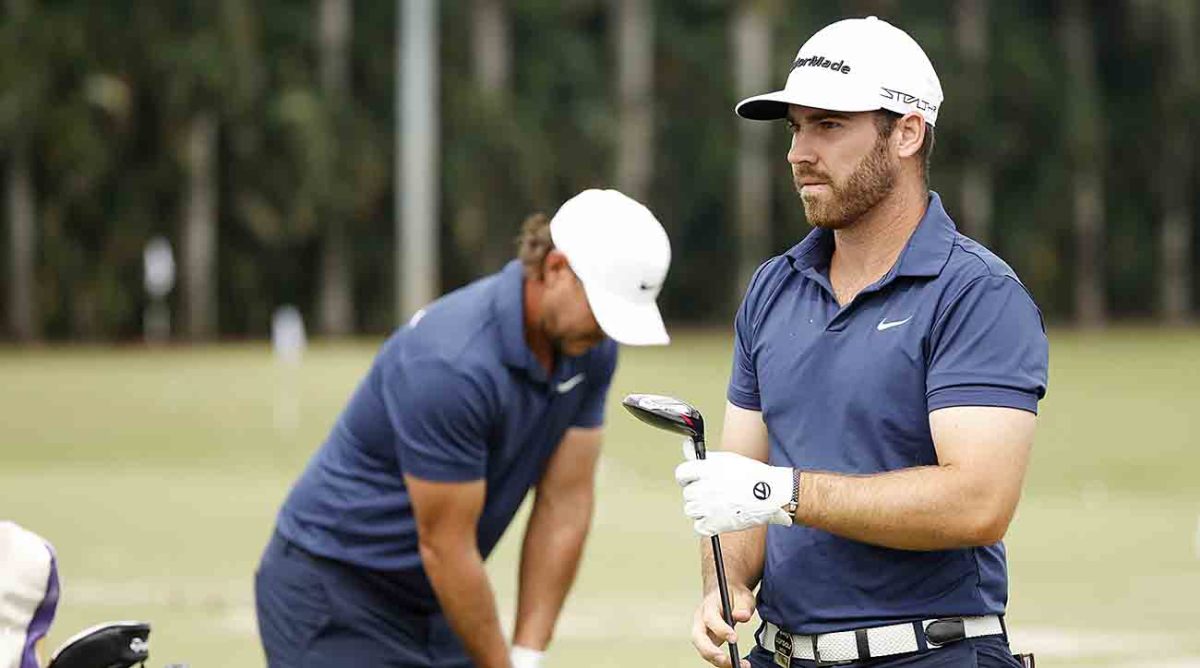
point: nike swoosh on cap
(570, 383)
(884, 324)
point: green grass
(157, 473)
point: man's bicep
(446, 512)
(990, 443)
(572, 468)
(745, 432)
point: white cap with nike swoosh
(621, 254)
(855, 65)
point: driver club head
(667, 413)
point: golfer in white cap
(492, 390)
(881, 409)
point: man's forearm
(743, 553)
(550, 558)
(922, 508)
(466, 597)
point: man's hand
(709, 630)
(728, 492)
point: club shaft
(726, 608)
(719, 563)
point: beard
(567, 344)
(846, 202)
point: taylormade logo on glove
(729, 492)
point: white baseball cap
(621, 253)
(855, 65)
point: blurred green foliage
(102, 94)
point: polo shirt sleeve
(591, 411)
(743, 379)
(441, 416)
(988, 348)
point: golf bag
(108, 645)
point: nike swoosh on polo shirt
(570, 383)
(884, 324)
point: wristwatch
(791, 506)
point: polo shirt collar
(929, 246)
(813, 252)
(509, 305)
(925, 254)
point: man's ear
(554, 265)
(909, 134)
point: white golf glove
(728, 492)
(523, 657)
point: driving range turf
(156, 473)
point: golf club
(681, 417)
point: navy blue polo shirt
(849, 390)
(455, 395)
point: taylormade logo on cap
(878, 66)
(821, 61)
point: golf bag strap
(869, 643)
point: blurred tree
(633, 46)
(971, 28)
(696, 160)
(81, 156)
(336, 302)
(189, 67)
(22, 241)
(260, 138)
(199, 237)
(20, 60)
(1181, 94)
(488, 103)
(750, 42)
(491, 48)
(1084, 134)
(303, 164)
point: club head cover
(107, 645)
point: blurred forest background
(260, 139)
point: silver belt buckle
(783, 648)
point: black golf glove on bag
(108, 645)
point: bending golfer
(886, 377)
(494, 389)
